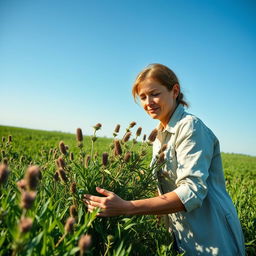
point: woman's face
(157, 101)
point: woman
(192, 191)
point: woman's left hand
(110, 205)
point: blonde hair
(162, 74)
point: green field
(127, 174)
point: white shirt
(193, 170)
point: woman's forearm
(163, 204)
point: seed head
(127, 136)
(127, 157)
(71, 156)
(10, 138)
(105, 159)
(132, 124)
(62, 175)
(144, 137)
(3, 139)
(87, 161)
(62, 148)
(84, 243)
(33, 174)
(97, 126)
(27, 199)
(73, 187)
(69, 224)
(61, 162)
(4, 173)
(25, 224)
(22, 184)
(138, 132)
(153, 135)
(79, 134)
(117, 148)
(73, 211)
(117, 129)
(3, 153)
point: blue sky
(68, 64)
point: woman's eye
(155, 94)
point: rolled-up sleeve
(194, 149)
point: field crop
(47, 173)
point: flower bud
(25, 224)
(84, 243)
(105, 159)
(153, 135)
(117, 129)
(138, 132)
(62, 175)
(62, 148)
(117, 148)
(27, 199)
(79, 135)
(73, 211)
(132, 124)
(32, 177)
(127, 136)
(97, 126)
(69, 224)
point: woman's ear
(176, 90)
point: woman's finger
(93, 198)
(104, 191)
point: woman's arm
(112, 205)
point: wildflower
(71, 156)
(127, 157)
(62, 175)
(73, 187)
(61, 162)
(84, 243)
(127, 136)
(22, 184)
(4, 173)
(32, 177)
(3, 153)
(138, 132)
(144, 137)
(73, 211)
(25, 224)
(79, 135)
(132, 124)
(105, 159)
(10, 138)
(87, 161)
(153, 135)
(97, 126)
(3, 139)
(62, 148)
(117, 148)
(69, 224)
(117, 129)
(27, 199)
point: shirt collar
(176, 116)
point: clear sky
(67, 64)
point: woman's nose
(148, 100)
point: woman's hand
(110, 205)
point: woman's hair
(161, 74)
